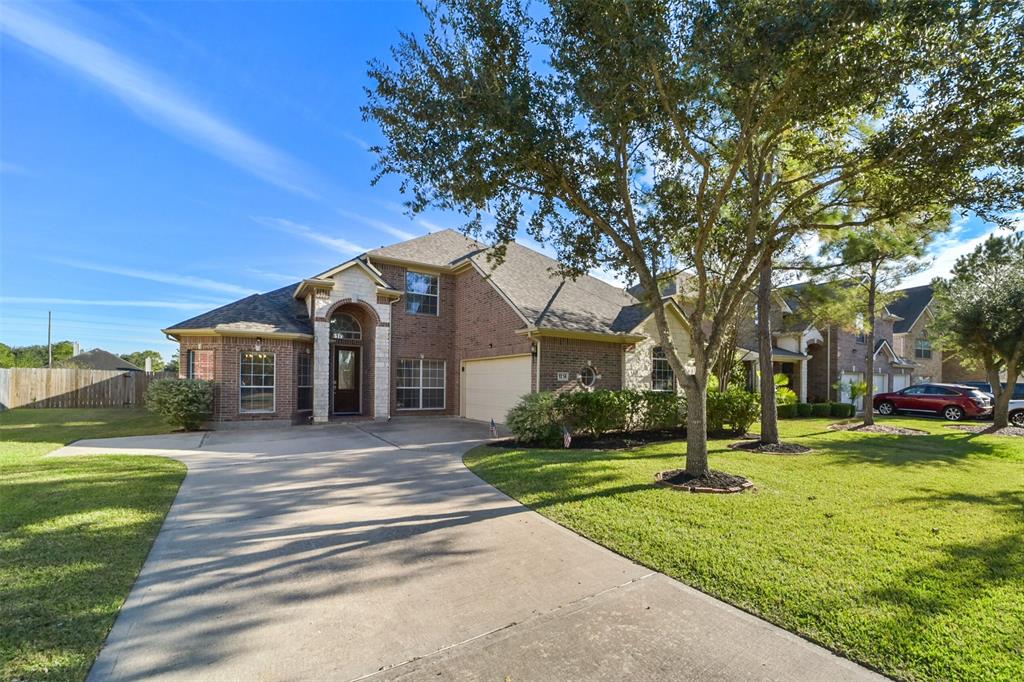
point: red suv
(952, 401)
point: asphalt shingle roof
(910, 306)
(441, 248)
(97, 358)
(275, 311)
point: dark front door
(346, 380)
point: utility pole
(49, 346)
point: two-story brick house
(426, 326)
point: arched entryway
(351, 366)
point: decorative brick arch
(362, 305)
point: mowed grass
(903, 553)
(74, 533)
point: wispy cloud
(8, 168)
(144, 91)
(307, 232)
(950, 247)
(358, 141)
(274, 276)
(433, 227)
(119, 303)
(377, 224)
(162, 277)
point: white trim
(240, 387)
(374, 274)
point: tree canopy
(647, 136)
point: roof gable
(275, 312)
(910, 306)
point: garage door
(900, 381)
(848, 378)
(490, 387)
(881, 383)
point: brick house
(911, 337)
(428, 326)
(816, 359)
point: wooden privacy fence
(29, 387)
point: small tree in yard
(873, 261)
(980, 313)
(643, 136)
(185, 403)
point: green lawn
(904, 553)
(74, 533)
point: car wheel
(886, 408)
(1017, 418)
(953, 413)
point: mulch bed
(988, 429)
(770, 448)
(711, 482)
(609, 441)
(877, 428)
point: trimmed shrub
(657, 410)
(821, 409)
(803, 410)
(594, 412)
(534, 419)
(181, 402)
(736, 407)
(786, 411)
(843, 410)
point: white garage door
(848, 378)
(900, 381)
(881, 383)
(491, 387)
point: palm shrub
(185, 403)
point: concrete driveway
(368, 550)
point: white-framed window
(860, 326)
(256, 381)
(421, 293)
(662, 376)
(199, 364)
(588, 376)
(922, 348)
(304, 381)
(344, 327)
(421, 384)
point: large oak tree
(645, 135)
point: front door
(346, 380)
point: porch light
(259, 344)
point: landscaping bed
(988, 429)
(877, 428)
(75, 533)
(902, 553)
(770, 448)
(711, 482)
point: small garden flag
(566, 437)
(494, 429)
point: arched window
(344, 327)
(588, 376)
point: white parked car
(1017, 413)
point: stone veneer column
(321, 371)
(803, 381)
(382, 364)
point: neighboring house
(911, 337)
(97, 358)
(426, 326)
(817, 359)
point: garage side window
(256, 382)
(421, 384)
(662, 377)
(199, 365)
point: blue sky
(160, 159)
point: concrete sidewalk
(369, 550)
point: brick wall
(432, 336)
(226, 357)
(954, 371)
(570, 355)
(927, 368)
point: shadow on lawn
(897, 450)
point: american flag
(494, 429)
(566, 437)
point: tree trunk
(769, 413)
(1001, 408)
(869, 360)
(696, 391)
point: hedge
(821, 409)
(803, 409)
(181, 402)
(843, 410)
(786, 411)
(538, 418)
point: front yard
(903, 553)
(74, 533)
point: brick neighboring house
(816, 359)
(911, 337)
(425, 326)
